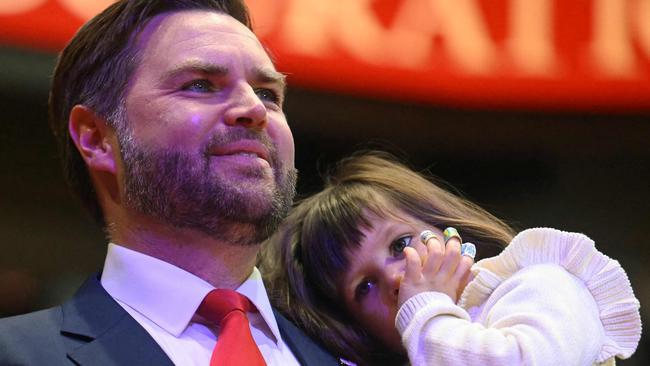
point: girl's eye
(397, 246)
(363, 289)
(268, 95)
(199, 86)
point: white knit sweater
(550, 298)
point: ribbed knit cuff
(408, 310)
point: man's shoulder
(41, 337)
(36, 324)
(32, 338)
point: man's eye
(199, 86)
(268, 95)
(363, 289)
(397, 246)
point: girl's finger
(435, 255)
(452, 256)
(463, 268)
(463, 273)
(413, 270)
(425, 237)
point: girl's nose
(398, 282)
(393, 278)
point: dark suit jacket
(93, 329)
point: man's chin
(243, 228)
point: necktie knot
(219, 303)
(235, 344)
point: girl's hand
(443, 269)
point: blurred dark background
(577, 171)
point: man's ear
(94, 139)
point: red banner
(578, 54)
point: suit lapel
(304, 348)
(113, 336)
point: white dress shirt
(163, 299)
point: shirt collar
(168, 295)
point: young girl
(349, 266)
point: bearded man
(170, 121)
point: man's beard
(180, 189)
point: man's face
(207, 145)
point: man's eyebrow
(197, 67)
(261, 75)
(272, 77)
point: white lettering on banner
(620, 33)
(315, 27)
(531, 37)
(266, 15)
(85, 9)
(410, 38)
(8, 7)
(641, 22)
(611, 45)
(466, 36)
(459, 23)
(312, 27)
(361, 34)
(305, 26)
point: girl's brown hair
(304, 260)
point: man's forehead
(173, 40)
(193, 25)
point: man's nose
(246, 108)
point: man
(169, 116)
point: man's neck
(219, 263)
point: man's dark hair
(94, 70)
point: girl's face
(371, 284)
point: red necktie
(235, 345)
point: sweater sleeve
(549, 299)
